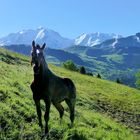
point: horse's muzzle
(35, 69)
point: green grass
(104, 110)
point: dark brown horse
(50, 88)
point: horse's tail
(69, 83)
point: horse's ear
(43, 46)
(33, 44)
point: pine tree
(69, 64)
(118, 81)
(82, 70)
(98, 76)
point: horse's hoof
(60, 122)
(70, 125)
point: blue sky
(71, 17)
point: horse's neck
(44, 70)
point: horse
(49, 87)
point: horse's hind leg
(46, 116)
(38, 109)
(71, 105)
(60, 109)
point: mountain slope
(129, 41)
(92, 39)
(100, 106)
(40, 35)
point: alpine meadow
(105, 110)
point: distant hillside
(104, 110)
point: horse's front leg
(38, 109)
(46, 116)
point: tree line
(69, 64)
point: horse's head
(37, 54)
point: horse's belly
(59, 95)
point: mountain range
(54, 39)
(40, 35)
(111, 55)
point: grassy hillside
(104, 110)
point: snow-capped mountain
(92, 39)
(124, 42)
(40, 35)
